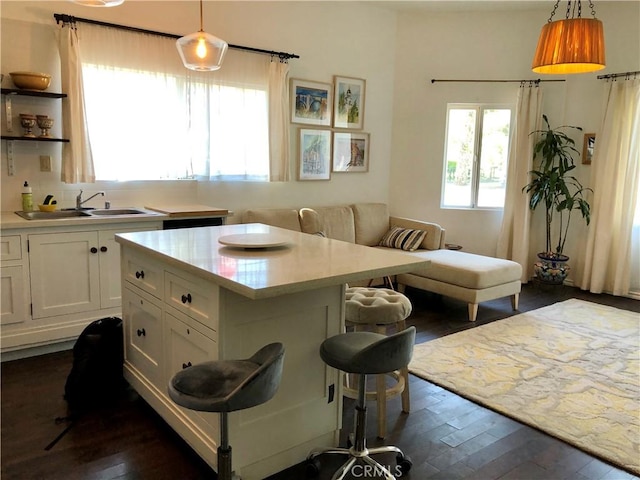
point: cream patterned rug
(571, 369)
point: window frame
(477, 151)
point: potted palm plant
(554, 187)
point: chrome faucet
(79, 200)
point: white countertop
(9, 220)
(305, 262)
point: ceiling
(460, 5)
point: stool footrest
(390, 392)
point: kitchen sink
(116, 211)
(53, 215)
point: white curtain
(278, 121)
(615, 180)
(513, 241)
(150, 118)
(77, 158)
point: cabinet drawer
(197, 300)
(187, 346)
(143, 334)
(143, 273)
(10, 248)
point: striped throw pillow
(404, 238)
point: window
(149, 118)
(476, 154)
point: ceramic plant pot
(551, 268)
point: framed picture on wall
(311, 102)
(587, 148)
(315, 154)
(348, 102)
(350, 152)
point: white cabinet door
(186, 346)
(109, 255)
(13, 302)
(65, 275)
(142, 318)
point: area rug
(571, 369)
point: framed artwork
(315, 154)
(311, 102)
(348, 102)
(350, 152)
(587, 148)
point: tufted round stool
(379, 309)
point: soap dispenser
(27, 198)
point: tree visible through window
(476, 154)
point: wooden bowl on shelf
(31, 80)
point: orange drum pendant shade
(573, 45)
(202, 51)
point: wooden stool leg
(406, 397)
(381, 395)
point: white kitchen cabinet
(65, 273)
(57, 280)
(142, 317)
(75, 271)
(13, 281)
(203, 321)
(13, 293)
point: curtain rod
(434, 80)
(60, 17)
(616, 75)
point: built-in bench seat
(464, 276)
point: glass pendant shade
(202, 51)
(99, 3)
(574, 45)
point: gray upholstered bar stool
(365, 353)
(228, 385)
(379, 310)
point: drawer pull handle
(94, 250)
(103, 249)
(186, 365)
(186, 298)
(141, 333)
(140, 274)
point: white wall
(344, 38)
(488, 45)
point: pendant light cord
(201, 20)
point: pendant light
(99, 3)
(200, 50)
(572, 45)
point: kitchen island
(188, 298)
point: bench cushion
(371, 222)
(468, 269)
(335, 222)
(276, 217)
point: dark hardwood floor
(446, 436)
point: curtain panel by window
(513, 241)
(77, 157)
(610, 254)
(150, 118)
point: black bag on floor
(96, 377)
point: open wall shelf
(32, 93)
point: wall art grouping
(336, 110)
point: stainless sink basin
(116, 211)
(52, 215)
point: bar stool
(228, 385)
(365, 353)
(379, 309)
